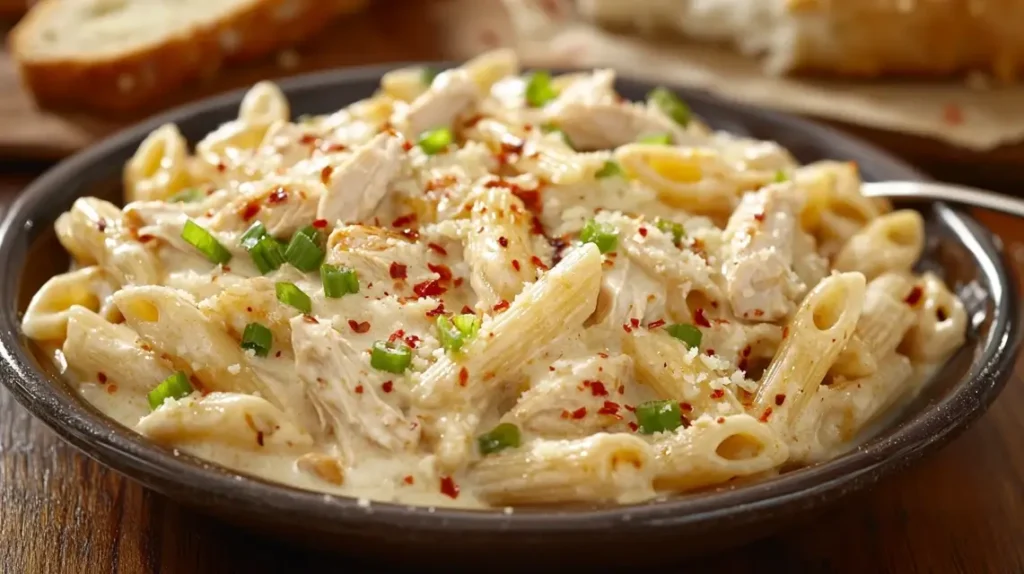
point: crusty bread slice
(119, 55)
(857, 38)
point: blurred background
(963, 126)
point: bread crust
(134, 80)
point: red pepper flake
(438, 249)
(410, 234)
(627, 328)
(622, 389)
(431, 288)
(101, 225)
(397, 270)
(279, 195)
(277, 354)
(630, 408)
(359, 327)
(536, 227)
(785, 331)
(458, 282)
(565, 414)
(699, 319)
(250, 211)
(503, 241)
(310, 319)
(472, 120)
(597, 388)
(412, 341)
(111, 389)
(720, 420)
(146, 238)
(101, 377)
(396, 336)
(953, 114)
(449, 488)
(530, 197)
(603, 355)
(501, 306)
(764, 416)
(656, 324)
(259, 438)
(579, 413)
(309, 139)
(326, 147)
(408, 479)
(404, 220)
(319, 223)
(510, 151)
(759, 216)
(915, 296)
(359, 389)
(610, 408)
(439, 310)
(443, 270)
(538, 263)
(387, 386)
(466, 310)
(463, 376)
(779, 399)
(643, 231)
(685, 407)
(407, 145)
(633, 427)
(717, 393)
(325, 174)
(515, 264)
(758, 313)
(710, 352)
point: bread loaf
(119, 55)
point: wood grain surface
(961, 510)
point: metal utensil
(929, 191)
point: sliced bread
(120, 55)
(842, 37)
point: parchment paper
(547, 33)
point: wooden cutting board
(411, 30)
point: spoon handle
(929, 191)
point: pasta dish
(486, 288)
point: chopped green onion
(435, 141)
(266, 255)
(780, 176)
(457, 331)
(676, 229)
(290, 294)
(553, 129)
(205, 242)
(428, 74)
(252, 235)
(338, 281)
(303, 253)
(187, 195)
(257, 338)
(657, 139)
(670, 103)
(603, 235)
(391, 357)
(686, 333)
(609, 169)
(314, 234)
(505, 435)
(175, 386)
(658, 416)
(539, 90)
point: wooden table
(959, 511)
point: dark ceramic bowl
(961, 250)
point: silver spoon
(929, 191)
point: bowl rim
(197, 482)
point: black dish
(960, 249)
